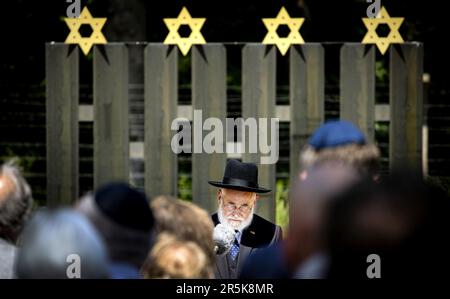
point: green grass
(281, 201)
(185, 187)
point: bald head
(309, 197)
(7, 187)
(15, 201)
(320, 183)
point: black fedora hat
(240, 176)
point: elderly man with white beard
(237, 197)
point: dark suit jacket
(267, 263)
(259, 234)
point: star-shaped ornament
(75, 37)
(194, 38)
(393, 37)
(283, 43)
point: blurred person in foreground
(125, 221)
(15, 207)
(171, 257)
(237, 197)
(61, 244)
(186, 222)
(402, 220)
(336, 156)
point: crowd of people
(341, 211)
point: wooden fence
(110, 112)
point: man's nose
(233, 214)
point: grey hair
(51, 237)
(15, 206)
(363, 158)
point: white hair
(244, 223)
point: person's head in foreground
(186, 221)
(341, 141)
(15, 201)
(61, 244)
(398, 228)
(336, 156)
(15, 207)
(171, 257)
(125, 221)
(309, 200)
(237, 196)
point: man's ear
(219, 192)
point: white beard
(242, 224)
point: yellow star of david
(75, 37)
(184, 43)
(283, 43)
(393, 37)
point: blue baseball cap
(336, 133)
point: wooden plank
(111, 141)
(161, 97)
(307, 97)
(137, 150)
(258, 101)
(406, 99)
(357, 85)
(425, 144)
(382, 112)
(185, 112)
(85, 113)
(283, 112)
(209, 95)
(62, 82)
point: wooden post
(209, 94)
(357, 85)
(62, 83)
(406, 99)
(111, 141)
(307, 97)
(258, 101)
(161, 97)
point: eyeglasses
(245, 208)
